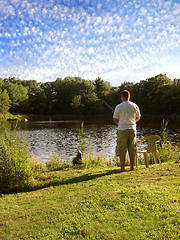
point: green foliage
(164, 131)
(2, 84)
(82, 139)
(9, 116)
(37, 166)
(169, 153)
(157, 95)
(30, 105)
(17, 95)
(78, 161)
(93, 161)
(15, 163)
(79, 158)
(56, 162)
(77, 104)
(102, 88)
(4, 102)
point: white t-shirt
(126, 113)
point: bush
(15, 163)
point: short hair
(125, 94)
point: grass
(96, 204)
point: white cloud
(121, 38)
(8, 35)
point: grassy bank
(96, 204)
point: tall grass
(168, 151)
(82, 139)
(15, 162)
(89, 159)
(164, 131)
(57, 162)
(78, 160)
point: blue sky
(117, 40)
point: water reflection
(64, 136)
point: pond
(63, 137)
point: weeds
(164, 131)
(15, 163)
(167, 151)
(56, 162)
(82, 138)
(96, 161)
(37, 165)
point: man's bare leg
(122, 163)
(132, 158)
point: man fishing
(125, 116)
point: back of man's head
(125, 94)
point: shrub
(15, 163)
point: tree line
(157, 95)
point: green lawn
(96, 204)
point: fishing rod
(108, 105)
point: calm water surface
(63, 137)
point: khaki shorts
(126, 140)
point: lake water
(63, 137)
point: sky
(117, 40)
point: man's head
(125, 95)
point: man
(125, 116)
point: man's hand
(137, 119)
(116, 121)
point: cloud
(87, 38)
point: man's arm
(138, 114)
(116, 121)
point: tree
(77, 104)
(46, 98)
(176, 96)
(2, 84)
(71, 92)
(17, 94)
(4, 102)
(155, 95)
(113, 98)
(102, 88)
(12, 80)
(31, 105)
